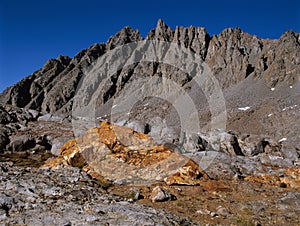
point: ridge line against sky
(32, 31)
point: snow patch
(274, 158)
(282, 139)
(290, 107)
(244, 108)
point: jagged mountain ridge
(232, 51)
(247, 67)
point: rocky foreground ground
(31, 196)
(240, 188)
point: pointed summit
(161, 32)
(161, 24)
(290, 36)
(124, 36)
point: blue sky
(33, 31)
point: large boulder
(119, 153)
(4, 137)
(21, 143)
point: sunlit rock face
(123, 155)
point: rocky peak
(87, 56)
(64, 60)
(50, 64)
(285, 56)
(195, 38)
(233, 55)
(124, 36)
(161, 32)
(290, 36)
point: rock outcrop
(123, 155)
(290, 178)
(26, 140)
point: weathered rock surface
(13, 119)
(21, 143)
(230, 154)
(121, 154)
(160, 194)
(4, 138)
(233, 154)
(124, 156)
(27, 141)
(68, 197)
(290, 178)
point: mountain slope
(247, 67)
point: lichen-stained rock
(291, 178)
(56, 163)
(189, 174)
(119, 153)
